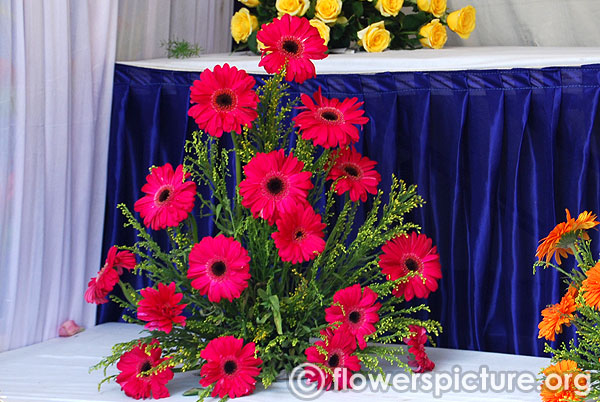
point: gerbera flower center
(291, 46)
(276, 186)
(163, 195)
(411, 264)
(224, 100)
(299, 235)
(218, 268)
(334, 360)
(352, 171)
(145, 367)
(331, 115)
(230, 367)
(354, 317)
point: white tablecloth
(57, 370)
(458, 58)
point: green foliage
(180, 49)
(283, 306)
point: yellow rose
(433, 35)
(322, 28)
(389, 8)
(435, 7)
(462, 21)
(242, 25)
(250, 3)
(292, 7)
(328, 10)
(374, 38)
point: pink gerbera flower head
(339, 346)
(419, 361)
(224, 100)
(169, 198)
(135, 379)
(300, 234)
(356, 311)
(408, 254)
(329, 122)
(105, 280)
(356, 174)
(230, 366)
(161, 308)
(219, 267)
(274, 184)
(292, 42)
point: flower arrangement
(579, 307)
(372, 25)
(286, 262)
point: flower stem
(238, 171)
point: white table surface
(458, 58)
(57, 370)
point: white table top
(458, 58)
(57, 370)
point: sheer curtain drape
(144, 24)
(56, 74)
(532, 23)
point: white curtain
(532, 23)
(145, 24)
(56, 69)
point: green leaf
(252, 43)
(310, 13)
(218, 211)
(274, 300)
(337, 31)
(193, 392)
(358, 9)
(413, 22)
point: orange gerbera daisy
(570, 390)
(586, 220)
(557, 315)
(559, 241)
(591, 287)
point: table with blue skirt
(499, 141)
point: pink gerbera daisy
(168, 200)
(219, 267)
(339, 346)
(300, 234)
(103, 283)
(274, 184)
(160, 308)
(356, 174)
(231, 366)
(407, 254)
(225, 100)
(134, 378)
(329, 122)
(356, 309)
(293, 41)
(419, 361)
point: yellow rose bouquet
(370, 25)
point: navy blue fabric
(498, 155)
